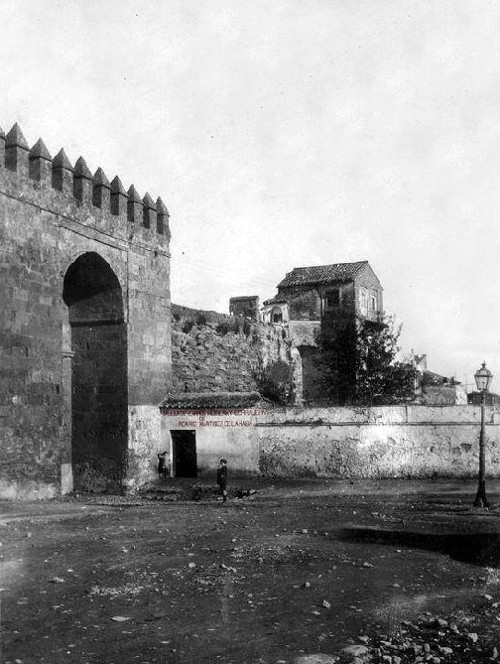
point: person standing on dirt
(162, 465)
(222, 479)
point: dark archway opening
(99, 410)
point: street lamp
(483, 378)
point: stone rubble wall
(214, 352)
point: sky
(288, 133)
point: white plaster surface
(414, 441)
(229, 433)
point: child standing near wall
(162, 465)
(222, 479)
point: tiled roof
(212, 400)
(275, 300)
(322, 274)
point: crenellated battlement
(55, 184)
(85, 324)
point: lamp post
(483, 378)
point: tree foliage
(363, 359)
(381, 378)
(274, 380)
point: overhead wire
(222, 271)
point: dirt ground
(403, 571)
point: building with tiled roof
(317, 300)
(324, 292)
(322, 274)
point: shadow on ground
(477, 549)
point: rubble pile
(431, 639)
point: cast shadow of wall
(475, 548)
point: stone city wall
(214, 352)
(144, 443)
(61, 227)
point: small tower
(247, 306)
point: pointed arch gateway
(99, 411)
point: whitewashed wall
(230, 434)
(413, 441)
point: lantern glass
(483, 378)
